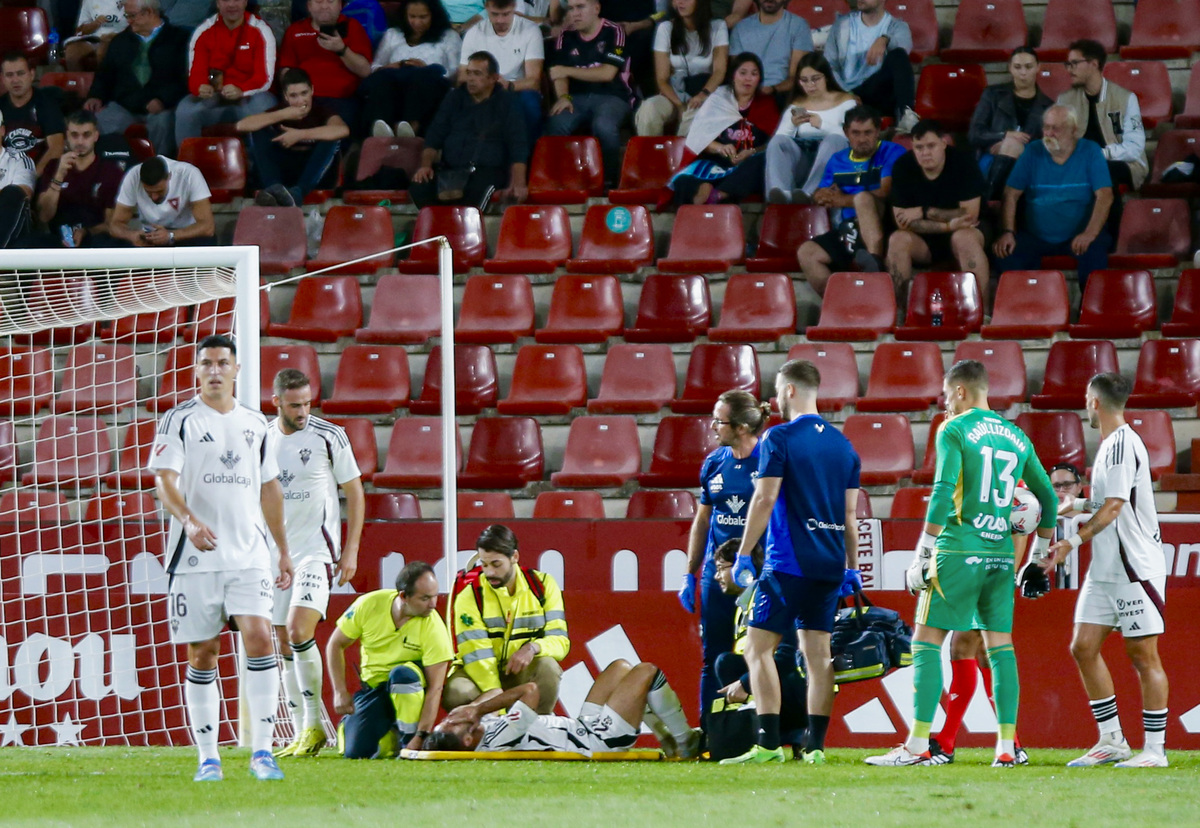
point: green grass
(151, 786)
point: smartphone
(341, 28)
(215, 77)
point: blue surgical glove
(851, 583)
(743, 571)
(687, 595)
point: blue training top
(727, 484)
(853, 175)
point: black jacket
(491, 133)
(115, 80)
(996, 114)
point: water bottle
(935, 309)
(52, 51)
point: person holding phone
(334, 50)
(171, 201)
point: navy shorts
(789, 602)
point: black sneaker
(1022, 758)
(937, 756)
(867, 261)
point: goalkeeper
(964, 563)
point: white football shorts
(609, 732)
(1136, 609)
(201, 603)
(309, 589)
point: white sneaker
(1145, 759)
(907, 121)
(380, 129)
(1104, 753)
(899, 756)
(404, 130)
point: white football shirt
(312, 464)
(185, 186)
(1130, 549)
(523, 729)
(17, 168)
(222, 461)
(523, 42)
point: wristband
(343, 52)
(566, 97)
(1041, 548)
(1075, 541)
(1007, 233)
(927, 541)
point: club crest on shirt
(305, 454)
(249, 435)
(716, 484)
(174, 202)
(230, 459)
(735, 504)
(286, 478)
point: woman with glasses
(1068, 485)
(1007, 118)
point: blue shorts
(789, 602)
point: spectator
(99, 22)
(1068, 194)
(187, 14)
(779, 38)
(691, 53)
(463, 14)
(334, 51)
(478, 136)
(122, 93)
(868, 50)
(1068, 485)
(856, 184)
(818, 108)
(590, 72)
(517, 45)
(1008, 117)
(17, 179)
(936, 195)
(171, 201)
(638, 19)
(731, 11)
(293, 145)
(76, 196)
(728, 139)
(231, 66)
(414, 68)
(32, 117)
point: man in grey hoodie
(868, 50)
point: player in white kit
(219, 483)
(1125, 587)
(314, 458)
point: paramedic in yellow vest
(507, 629)
(405, 652)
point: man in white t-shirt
(220, 485)
(1125, 587)
(314, 458)
(171, 201)
(517, 45)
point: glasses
(808, 80)
(1071, 64)
(1066, 484)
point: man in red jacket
(231, 63)
(334, 50)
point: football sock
(964, 675)
(1155, 725)
(262, 698)
(815, 740)
(768, 730)
(985, 670)
(663, 702)
(1105, 712)
(200, 695)
(1006, 690)
(927, 691)
(309, 672)
(291, 693)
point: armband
(1075, 541)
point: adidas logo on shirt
(207, 438)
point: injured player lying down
(621, 699)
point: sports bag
(731, 729)
(868, 641)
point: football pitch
(152, 786)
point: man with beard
(76, 195)
(32, 115)
(172, 202)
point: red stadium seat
(222, 161)
(583, 309)
(1053, 79)
(546, 379)
(485, 506)
(1155, 233)
(26, 380)
(8, 451)
(1069, 366)
(370, 380)
(818, 13)
(705, 238)
(921, 18)
(601, 452)
(714, 369)
(949, 92)
(1164, 29)
(648, 165)
(505, 453)
(98, 377)
(163, 326)
(354, 232)
(279, 234)
(122, 506)
(324, 308)
(637, 379)
(1005, 363)
(391, 506)
(783, 229)
(70, 451)
(78, 83)
(857, 307)
(672, 308)
(216, 316)
(911, 503)
(839, 372)
(1069, 20)
(565, 170)
(1030, 304)
(1168, 374)
(533, 239)
(904, 377)
(1057, 437)
(1185, 318)
(495, 308)
(568, 506)
(862, 509)
(32, 507)
(962, 307)
(1173, 145)
(463, 226)
(1149, 80)
(614, 240)
(406, 310)
(140, 149)
(1156, 431)
(665, 504)
(379, 153)
(361, 434)
(177, 382)
(25, 30)
(758, 307)
(475, 381)
(414, 458)
(133, 458)
(1117, 304)
(986, 30)
(884, 444)
(274, 358)
(680, 446)
(1189, 118)
(47, 296)
(924, 475)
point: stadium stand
(70, 451)
(758, 307)
(485, 506)
(124, 506)
(361, 434)
(1057, 437)
(279, 234)
(1155, 233)
(1167, 375)
(1174, 145)
(384, 153)
(565, 170)
(949, 92)
(133, 458)
(962, 307)
(214, 316)
(505, 453)
(637, 379)
(818, 13)
(33, 506)
(648, 165)
(623, 245)
(274, 358)
(98, 378)
(601, 451)
(1149, 80)
(533, 239)
(222, 161)
(904, 377)
(323, 309)
(1164, 29)
(162, 326)
(414, 456)
(857, 307)
(1117, 304)
(923, 476)
(462, 227)
(911, 503)
(705, 238)
(1185, 316)
(476, 382)
(986, 30)
(25, 30)
(1189, 118)
(352, 233)
(546, 379)
(921, 17)
(1154, 427)
(1069, 366)
(370, 380)
(406, 310)
(495, 308)
(783, 228)
(1029, 304)
(713, 369)
(672, 308)
(1005, 361)
(583, 309)
(26, 379)
(1069, 20)
(884, 444)
(680, 446)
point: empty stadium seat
(323, 309)
(758, 307)
(533, 239)
(462, 226)
(705, 238)
(70, 451)
(921, 18)
(361, 434)
(784, 227)
(505, 453)
(1069, 366)
(904, 377)
(274, 358)
(680, 446)
(77, 83)
(839, 372)
(1173, 145)
(986, 30)
(495, 308)
(1155, 233)
(637, 379)
(601, 452)
(162, 326)
(962, 307)
(1005, 363)
(1164, 29)
(1117, 304)
(370, 380)
(1053, 79)
(1168, 374)
(672, 308)
(546, 379)
(133, 458)
(475, 381)
(614, 240)
(862, 509)
(884, 444)
(32, 507)
(414, 457)
(714, 369)
(1069, 20)
(648, 165)
(565, 169)
(949, 93)
(818, 13)
(130, 506)
(857, 307)
(177, 381)
(911, 503)
(485, 506)
(583, 309)
(379, 153)
(26, 379)
(8, 451)
(354, 232)
(1157, 432)
(1057, 437)
(1189, 118)
(215, 316)
(924, 474)
(569, 506)
(1185, 317)
(222, 161)
(406, 310)
(279, 234)
(49, 294)
(98, 377)
(26, 30)
(1149, 80)
(1029, 304)
(665, 504)
(391, 506)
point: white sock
(291, 693)
(309, 672)
(1105, 712)
(262, 697)
(202, 700)
(917, 744)
(1155, 723)
(1005, 746)
(664, 704)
